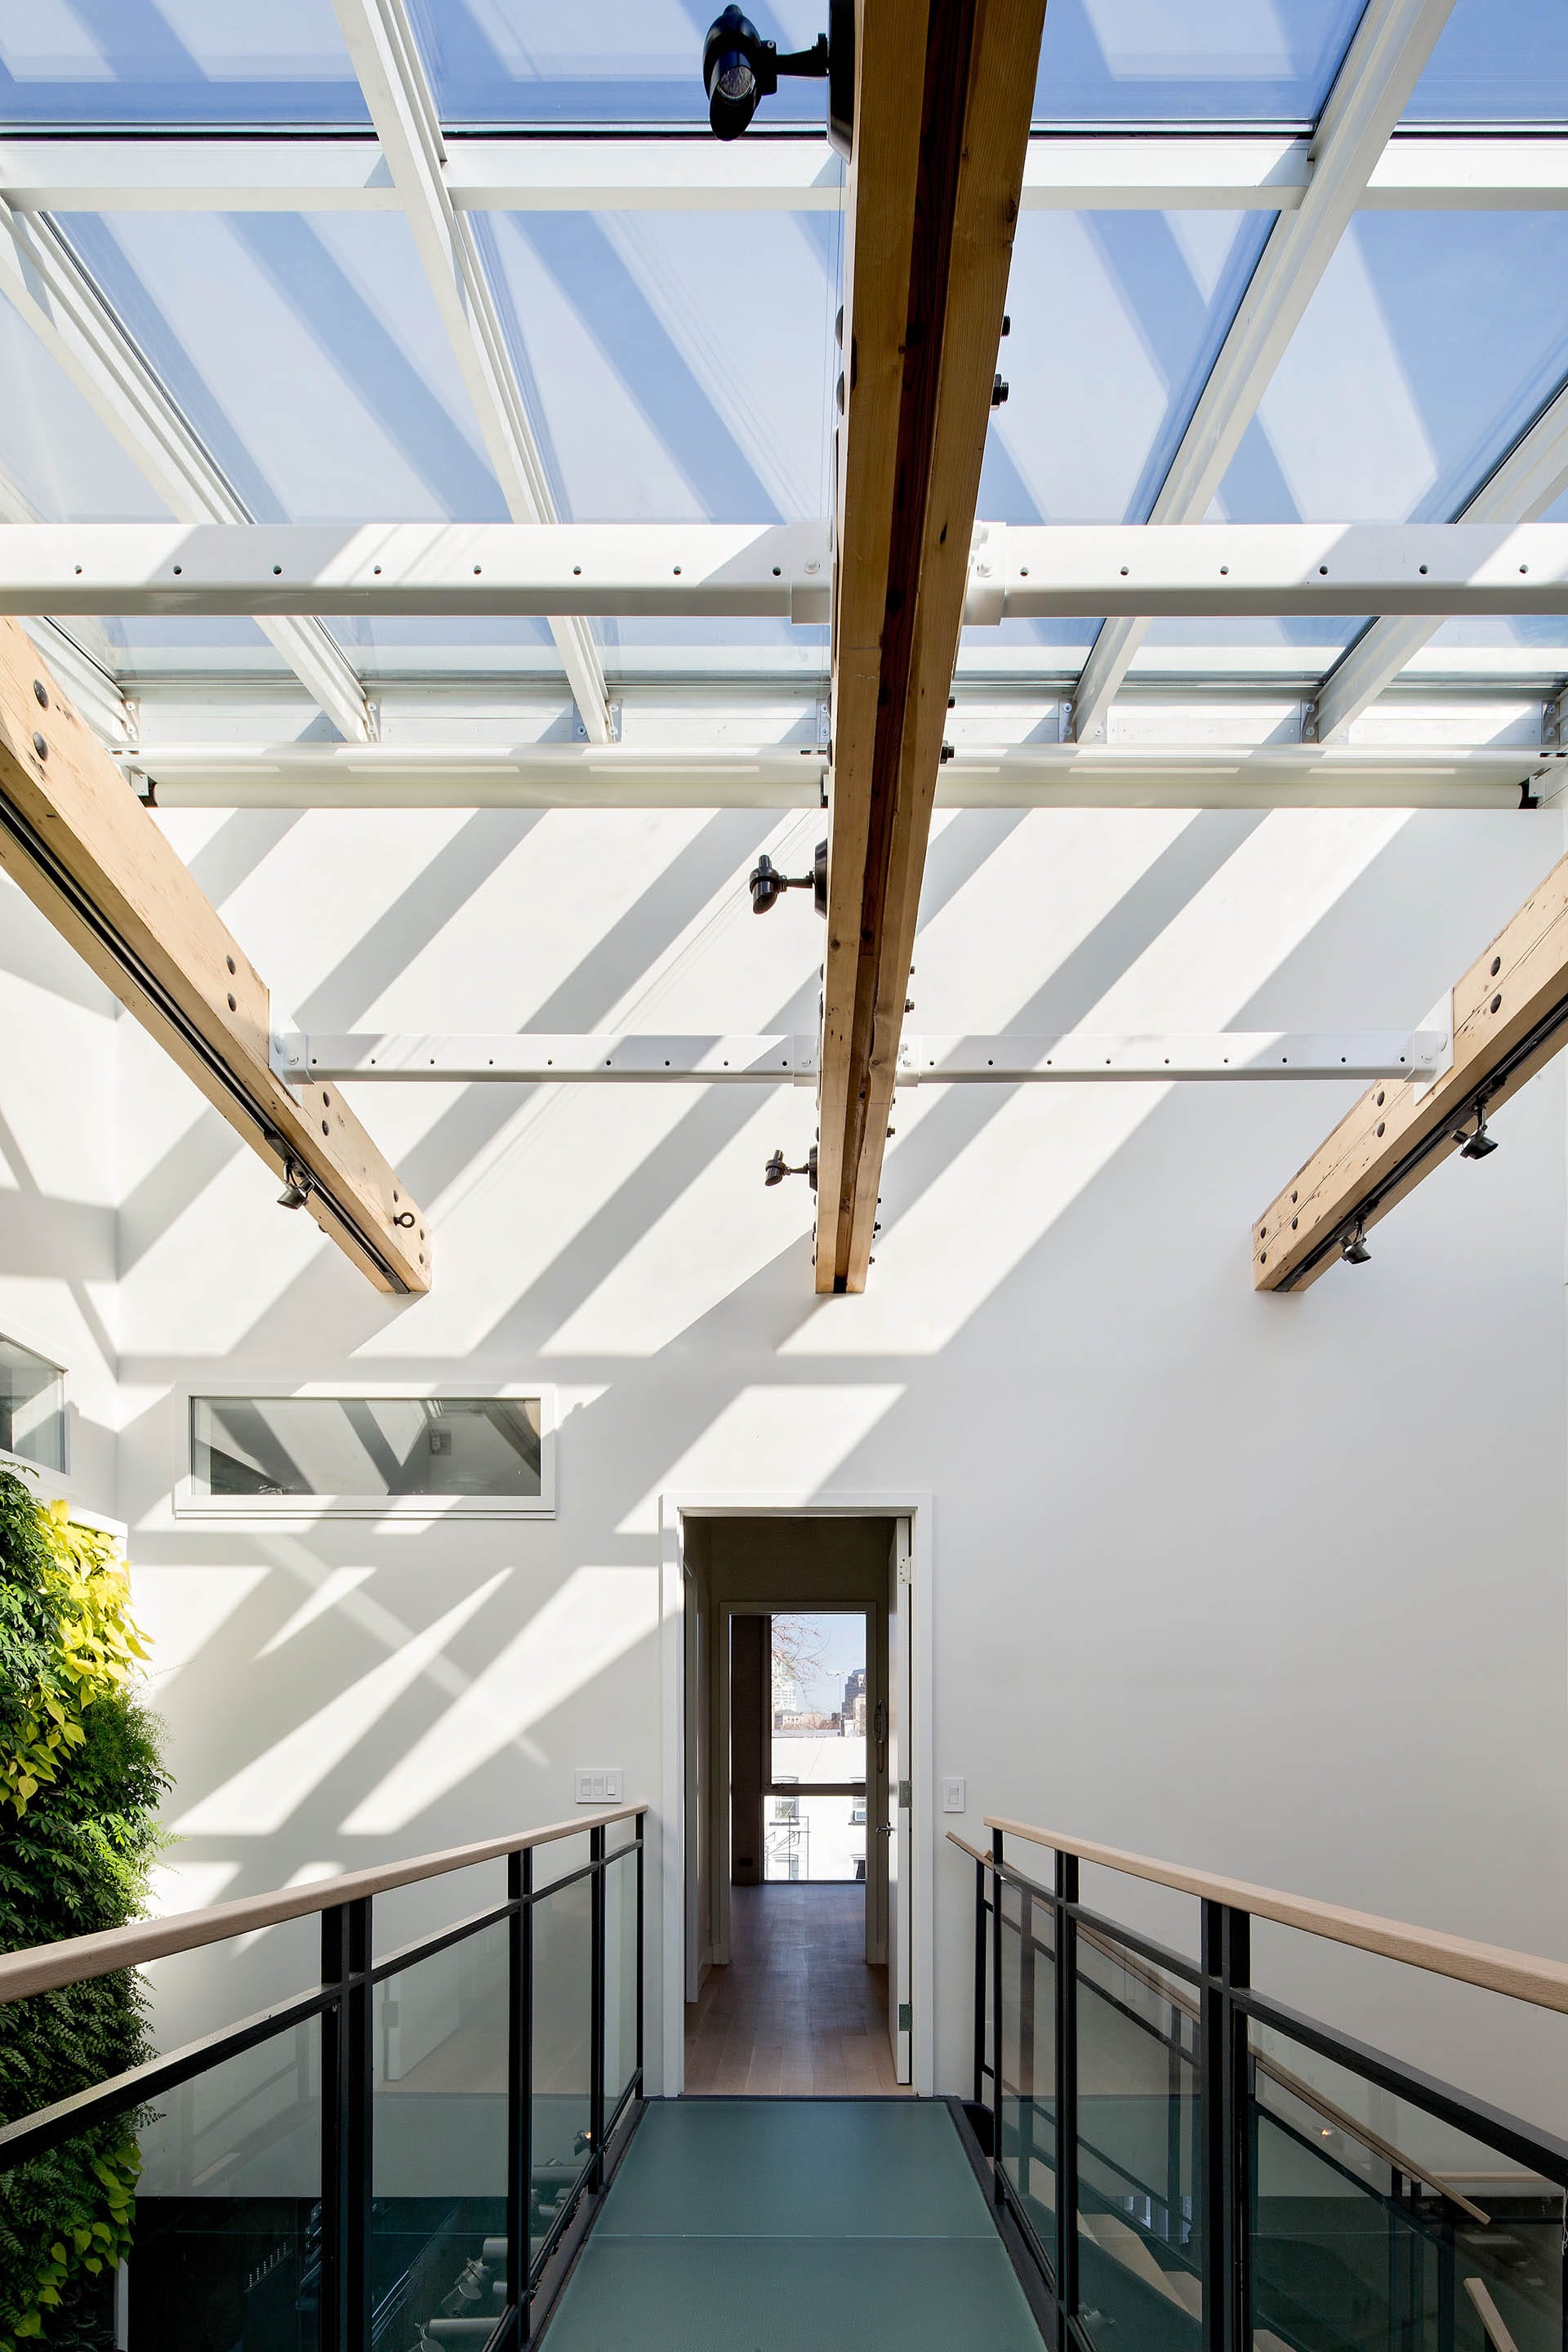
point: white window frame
(190, 1502)
(22, 1463)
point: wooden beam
(1510, 1018)
(82, 847)
(944, 93)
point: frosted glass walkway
(783, 2225)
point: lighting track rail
(1347, 1237)
(148, 985)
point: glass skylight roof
(1423, 354)
(1207, 62)
(1116, 317)
(1496, 61)
(175, 61)
(672, 349)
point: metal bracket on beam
(792, 1058)
(1439, 1026)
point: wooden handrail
(46, 1967)
(1491, 2318)
(1521, 1976)
(964, 1847)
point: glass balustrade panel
(440, 2144)
(1027, 2088)
(224, 2228)
(1139, 2149)
(563, 2037)
(1375, 2223)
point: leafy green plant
(80, 1778)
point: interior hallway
(798, 2012)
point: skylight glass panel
(1116, 318)
(503, 61)
(1427, 348)
(1191, 60)
(59, 461)
(657, 394)
(1496, 61)
(1422, 356)
(307, 352)
(139, 62)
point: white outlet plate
(594, 1786)
(952, 1797)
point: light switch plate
(952, 1800)
(593, 1787)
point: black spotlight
(1354, 1248)
(739, 67)
(1480, 1145)
(778, 1168)
(767, 885)
(296, 1185)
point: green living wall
(80, 1777)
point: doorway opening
(797, 1714)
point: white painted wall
(59, 1183)
(1272, 1586)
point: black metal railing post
(1027, 2086)
(519, 2088)
(1225, 1960)
(980, 1984)
(1067, 2093)
(597, 2009)
(346, 2094)
(642, 1929)
(998, 2182)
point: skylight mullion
(1370, 91)
(381, 45)
(49, 287)
(1529, 478)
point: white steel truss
(1381, 69)
(1016, 571)
(382, 43)
(48, 286)
(1159, 170)
(792, 1058)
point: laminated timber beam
(944, 90)
(82, 847)
(1510, 1018)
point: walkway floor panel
(778, 2225)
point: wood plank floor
(797, 2013)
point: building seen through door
(790, 1722)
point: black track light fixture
(778, 1168)
(296, 1185)
(1482, 1143)
(767, 885)
(739, 69)
(1354, 1248)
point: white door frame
(666, 1917)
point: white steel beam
(1076, 1057)
(1370, 91)
(46, 284)
(1150, 773)
(783, 569)
(382, 43)
(1161, 171)
(419, 568)
(1529, 479)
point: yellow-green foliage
(80, 1777)
(96, 1650)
